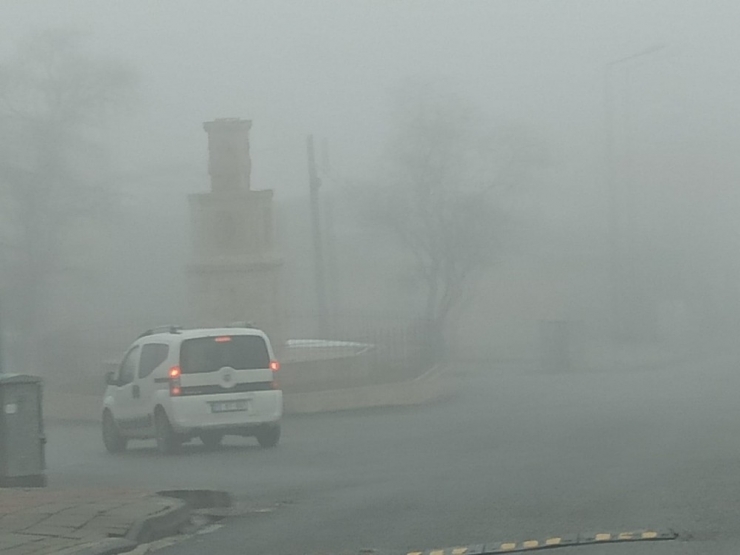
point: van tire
(112, 438)
(168, 441)
(211, 440)
(268, 435)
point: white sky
(327, 67)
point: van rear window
(210, 354)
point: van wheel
(211, 439)
(168, 441)
(112, 438)
(268, 436)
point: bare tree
(446, 172)
(55, 98)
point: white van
(175, 384)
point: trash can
(22, 440)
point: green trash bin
(22, 440)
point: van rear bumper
(197, 412)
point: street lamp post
(615, 264)
(314, 183)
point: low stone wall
(327, 373)
(314, 365)
(64, 405)
(434, 384)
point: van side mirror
(110, 378)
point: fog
(494, 245)
(336, 70)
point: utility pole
(325, 169)
(331, 240)
(314, 184)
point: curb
(200, 498)
(158, 526)
(170, 521)
(111, 546)
(161, 525)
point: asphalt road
(512, 456)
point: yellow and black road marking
(549, 543)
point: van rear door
(225, 364)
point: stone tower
(235, 272)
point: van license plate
(230, 406)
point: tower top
(229, 163)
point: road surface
(513, 455)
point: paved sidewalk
(69, 521)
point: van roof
(206, 332)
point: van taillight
(275, 366)
(175, 387)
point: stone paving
(67, 521)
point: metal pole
(2, 361)
(615, 266)
(614, 255)
(331, 251)
(331, 242)
(314, 184)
